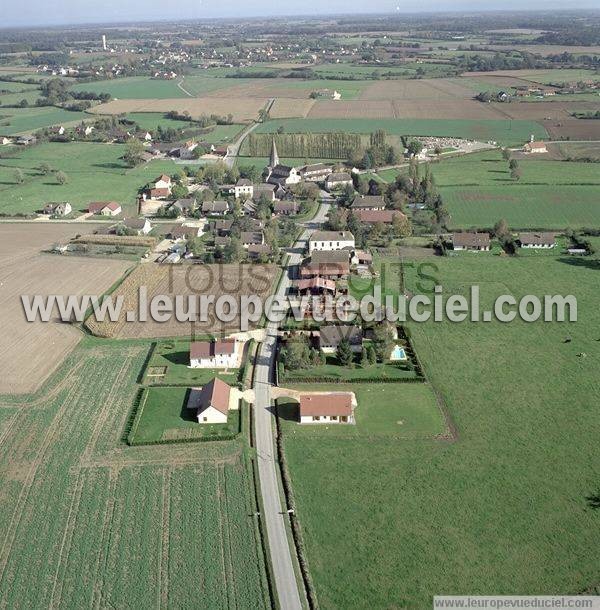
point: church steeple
(274, 160)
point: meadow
(21, 120)
(505, 132)
(106, 525)
(95, 172)
(478, 190)
(506, 508)
(137, 87)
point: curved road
(275, 513)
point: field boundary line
(224, 561)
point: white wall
(220, 361)
(211, 416)
(325, 419)
(330, 245)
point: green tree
(414, 147)
(19, 176)
(382, 341)
(134, 150)
(61, 177)
(295, 354)
(344, 353)
(45, 169)
(364, 358)
(516, 174)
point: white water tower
(104, 41)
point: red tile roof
(209, 349)
(334, 403)
(214, 394)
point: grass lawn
(95, 173)
(20, 120)
(478, 191)
(503, 509)
(505, 132)
(173, 358)
(165, 416)
(331, 368)
(398, 410)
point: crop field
(190, 280)
(546, 77)
(574, 129)
(32, 351)
(478, 191)
(21, 120)
(556, 110)
(284, 108)
(395, 410)
(506, 132)
(579, 150)
(242, 109)
(485, 512)
(105, 525)
(425, 89)
(95, 172)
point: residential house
(249, 207)
(249, 238)
(368, 202)
(471, 241)
(105, 208)
(316, 172)
(222, 227)
(330, 240)
(4, 141)
(184, 232)
(315, 286)
(265, 190)
(338, 180)
(185, 207)
(537, 240)
(327, 408)
(221, 242)
(217, 354)
(141, 225)
(330, 264)
(243, 189)
(215, 208)
(58, 209)
(285, 208)
(371, 217)
(330, 336)
(211, 402)
(159, 193)
(361, 257)
(163, 182)
(256, 251)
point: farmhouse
(330, 240)
(256, 251)
(58, 209)
(220, 353)
(368, 202)
(162, 182)
(243, 189)
(535, 147)
(140, 225)
(285, 208)
(330, 408)
(537, 240)
(105, 208)
(215, 207)
(471, 241)
(4, 141)
(337, 181)
(330, 337)
(222, 241)
(160, 193)
(222, 227)
(314, 286)
(184, 232)
(211, 402)
(316, 172)
(331, 264)
(378, 216)
(249, 207)
(26, 140)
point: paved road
(274, 514)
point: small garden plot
(406, 411)
(169, 365)
(163, 416)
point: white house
(58, 209)
(163, 182)
(338, 180)
(211, 402)
(537, 240)
(327, 408)
(105, 208)
(243, 189)
(141, 225)
(330, 240)
(471, 241)
(219, 354)
(535, 147)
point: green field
(95, 173)
(110, 526)
(393, 410)
(558, 76)
(20, 120)
(164, 416)
(478, 191)
(173, 357)
(134, 87)
(504, 508)
(506, 132)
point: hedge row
(325, 379)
